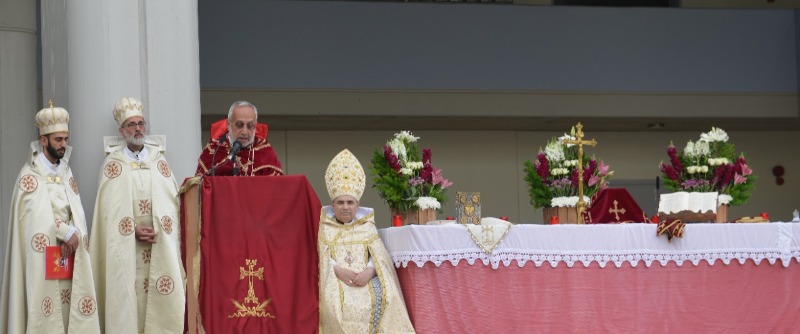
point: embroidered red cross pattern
(145, 207)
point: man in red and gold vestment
(136, 233)
(46, 211)
(255, 156)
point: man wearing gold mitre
(359, 291)
(47, 228)
(135, 232)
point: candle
(397, 220)
(554, 220)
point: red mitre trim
(221, 127)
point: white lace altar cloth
(603, 244)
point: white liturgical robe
(141, 287)
(45, 210)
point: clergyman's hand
(363, 277)
(69, 246)
(347, 276)
(145, 234)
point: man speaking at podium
(241, 151)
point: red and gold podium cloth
(258, 159)
(614, 205)
(259, 264)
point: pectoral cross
(580, 142)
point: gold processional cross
(580, 142)
(257, 310)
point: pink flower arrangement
(403, 180)
(553, 177)
(707, 165)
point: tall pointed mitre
(127, 107)
(345, 176)
(52, 119)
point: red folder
(57, 266)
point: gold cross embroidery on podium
(256, 309)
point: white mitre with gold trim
(345, 176)
(127, 107)
(52, 119)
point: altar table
(718, 278)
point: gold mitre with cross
(345, 176)
(52, 119)
(127, 107)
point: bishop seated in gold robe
(359, 290)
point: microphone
(235, 149)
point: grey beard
(131, 139)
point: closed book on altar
(468, 208)
(56, 266)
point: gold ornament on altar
(468, 207)
(345, 176)
(580, 142)
(562, 177)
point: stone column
(144, 49)
(17, 98)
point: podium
(250, 252)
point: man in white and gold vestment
(46, 210)
(135, 232)
(359, 290)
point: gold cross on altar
(616, 211)
(580, 142)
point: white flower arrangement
(566, 137)
(716, 134)
(425, 202)
(697, 169)
(406, 135)
(398, 148)
(559, 171)
(415, 165)
(554, 152)
(724, 199)
(717, 161)
(402, 176)
(567, 201)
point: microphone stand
(213, 156)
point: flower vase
(722, 213)
(566, 215)
(415, 216)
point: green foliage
(540, 195)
